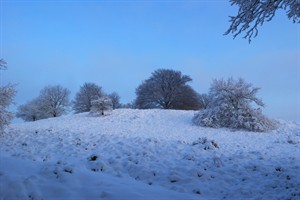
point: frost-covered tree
(101, 104)
(54, 100)
(231, 106)
(253, 13)
(204, 101)
(115, 98)
(31, 111)
(7, 94)
(83, 99)
(167, 89)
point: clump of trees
(231, 106)
(90, 92)
(167, 89)
(229, 103)
(83, 99)
(53, 101)
(7, 94)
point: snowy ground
(146, 154)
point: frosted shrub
(205, 143)
(231, 106)
(101, 104)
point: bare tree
(101, 104)
(115, 98)
(31, 111)
(253, 13)
(54, 100)
(167, 89)
(83, 99)
(231, 107)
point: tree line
(165, 89)
(229, 103)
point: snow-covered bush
(231, 106)
(205, 143)
(101, 104)
(204, 100)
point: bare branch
(2, 64)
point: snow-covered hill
(146, 154)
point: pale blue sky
(118, 44)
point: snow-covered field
(146, 154)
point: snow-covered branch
(253, 13)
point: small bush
(101, 104)
(206, 144)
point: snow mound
(146, 154)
